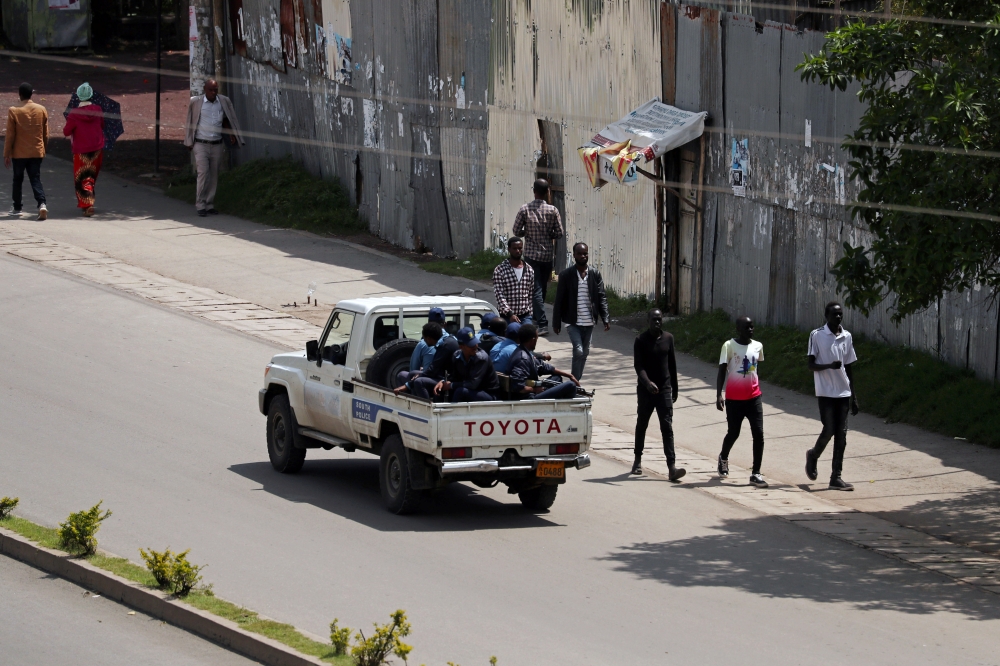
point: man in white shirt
(831, 353)
(210, 116)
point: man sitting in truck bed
(525, 368)
(445, 347)
(473, 378)
(491, 331)
(423, 353)
(431, 336)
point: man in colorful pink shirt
(738, 375)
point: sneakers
(676, 473)
(88, 212)
(811, 465)
(637, 467)
(723, 468)
(757, 481)
(837, 483)
(202, 213)
(14, 212)
(212, 211)
(43, 212)
(543, 331)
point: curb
(153, 602)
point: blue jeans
(463, 394)
(580, 336)
(543, 272)
(33, 165)
(564, 391)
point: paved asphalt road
(46, 620)
(103, 396)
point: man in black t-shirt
(656, 368)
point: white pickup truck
(338, 393)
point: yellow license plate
(551, 469)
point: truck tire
(388, 361)
(538, 499)
(285, 456)
(394, 477)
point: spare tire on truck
(389, 360)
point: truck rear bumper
(493, 466)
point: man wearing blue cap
(473, 378)
(500, 354)
(491, 331)
(423, 353)
(525, 368)
(433, 372)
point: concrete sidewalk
(945, 488)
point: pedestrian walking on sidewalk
(24, 148)
(513, 283)
(831, 353)
(580, 300)
(210, 120)
(656, 367)
(85, 124)
(738, 374)
(539, 223)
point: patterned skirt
(86, 166)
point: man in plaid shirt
(513, 284)
(539, 223)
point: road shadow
(971, 519)
(349, 488)
(753, 556)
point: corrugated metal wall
(382, 126)
(769, 254)
(34, 26)
(579, 65)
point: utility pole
(201, 60)
(156, 150)
(219, 42)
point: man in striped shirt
(580, 300)
(540, 224)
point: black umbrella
(112, 117)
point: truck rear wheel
(394, 477)
(388, 361)
(285, 456)
(538, 499)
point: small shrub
(77, 534)
(7, 505)
(172, 571)
(384, 642)
(340, 637)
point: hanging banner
(647, 133)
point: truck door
(326, 400)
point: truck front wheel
(538, 499)
(394, 477)
(281, 449)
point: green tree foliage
(928, 142)
(172, 571)
(78, 533)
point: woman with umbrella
(86, 125)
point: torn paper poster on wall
(647, 133)
(72, 5)
(739, 170)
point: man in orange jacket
(24, 148)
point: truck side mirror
(312, 350)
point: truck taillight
(456, 452)
(563, 449)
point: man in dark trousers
(539, 223)
(422, 386)
(473, 378)
(513, 283)
(830, 355)
(738, 374)
(580, 300)
(525, 368)
(656, 366)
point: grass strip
(480, 267)
(202, 599)
(898, 384)
(279, 192)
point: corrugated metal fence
(769, 254)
